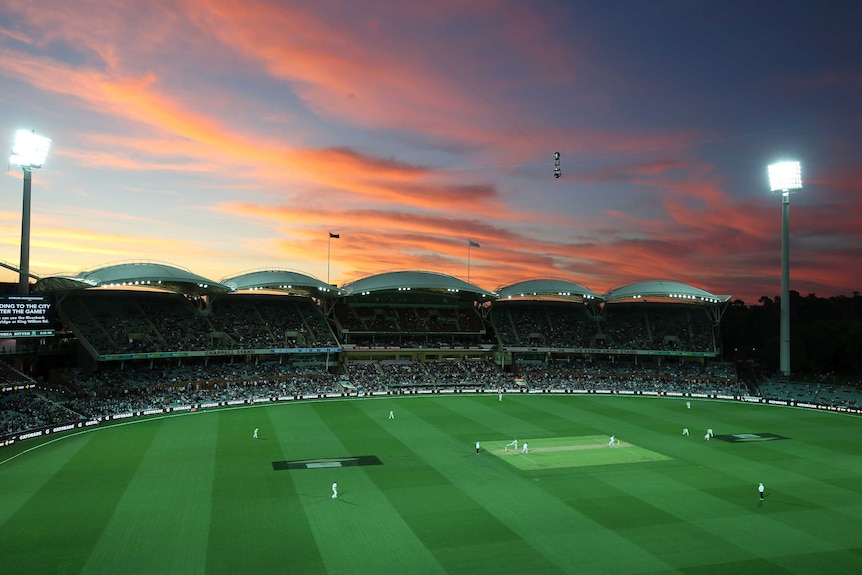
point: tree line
(825, 337)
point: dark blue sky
(243, 133)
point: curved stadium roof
(548, 289)
(414, 280)
(280, 280)
(161, 276)
(660, 290)
(139, 274)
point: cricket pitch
(580, 451)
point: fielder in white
(255, 434)
(685, 431)
(513, 444)
(335, 490)
(391, 414)
(710, 433)
(524, 448)
(613, 441)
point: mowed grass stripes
(196, 494)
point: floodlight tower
(785, 178)
(29, 152)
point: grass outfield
(196, 494)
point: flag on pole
(336, 236)
(473, 244)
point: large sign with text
(25, 316)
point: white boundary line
(390, 397)
(144, 419)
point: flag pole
(470, 244)
(329, 252)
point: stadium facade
(146, 311)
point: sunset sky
(226, 136)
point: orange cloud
(368, 120)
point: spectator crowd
(107, 392)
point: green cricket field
(196, 494)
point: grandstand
(412, 311)
(155, 333)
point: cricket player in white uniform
(513, 444)
(760, 490)
(685, 431)
(710, 433)
(391, 414)
(613, 441)
(335, 490)
(524, 448)
(255, 434)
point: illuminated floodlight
(785, 177)
(30, 150)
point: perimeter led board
(25, 316)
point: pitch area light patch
(327, 462)
(576, 451)
(749, 437)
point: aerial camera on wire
(557, 171)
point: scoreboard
(25, 316)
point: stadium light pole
(29, 152)
(785, 178)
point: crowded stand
(301, 322)
(624, 327)
(135, 389)
(81, 394)
(680, 327)
(238, 325)
(140, 322)
(151, 351)
(29, 409)
(621, 326)
(134, 322)
(543, 324)
(683, 378)
(409, 322)
(366, 376)
(117, 322)
(258, 322)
